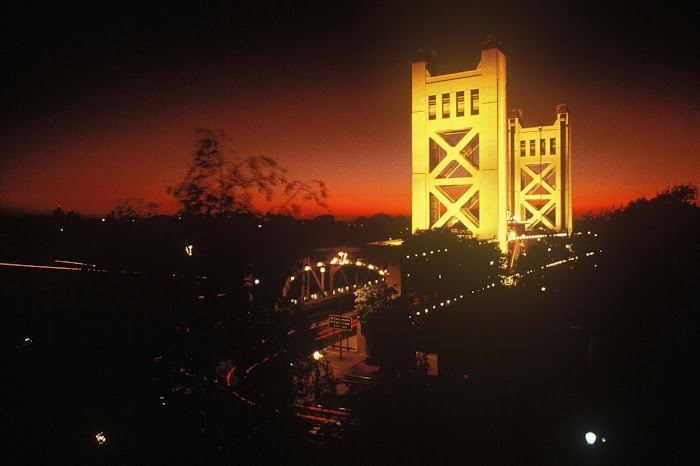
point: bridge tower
(459, 147)
(473, 167)
(540, 157)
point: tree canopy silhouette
(132, 208)
(220, 183)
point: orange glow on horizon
(88, 157)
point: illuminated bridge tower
(476, 169)
(460, 150)
(540, 159)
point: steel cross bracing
(539, 182)
(459, 208)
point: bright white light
(543, 289)
(101, 439)
(188, 250)
(590, 438)
(257, 282)
(292, 278)
(307, 268)
(323, 270)
(317, 355)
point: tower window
(543, 147)
(552, 146)
(475, 101)
(445, 105)
(522, 148)
(431, 107)
(532, 147)
(460, 103)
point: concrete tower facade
(465, 171)
(540, 160)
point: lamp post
(317, 358)
(323, 281)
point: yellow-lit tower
(540, 157)
(459, 145)
(476, 169)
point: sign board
(341, 322)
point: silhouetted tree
(312, 190)
(385, 322)
(217, 186)
(133, 208)
(468, 263)
(311, 378)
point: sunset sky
(101, 102)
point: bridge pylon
(473, 168)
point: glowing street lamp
(101, 439)
(317, 385)
(590, 438)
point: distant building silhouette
(60, 217)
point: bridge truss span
(317, 282)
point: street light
(590, 438)
(317, 370)
(323, 280)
